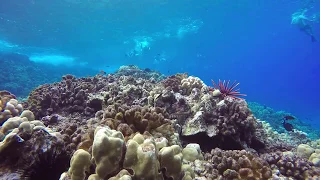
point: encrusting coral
(137, 124)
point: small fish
(289, 117)
(287, 126)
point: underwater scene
(150, 90)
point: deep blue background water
(252, 42)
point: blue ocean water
(252, 42)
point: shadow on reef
(223, 142)
(208, 143)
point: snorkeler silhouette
(298, 18)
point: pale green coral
(10, 138)
(192, 152)
(122, 175)
(188, 173)
(315, 158)
(107, 150)
(304, 151)
(79, 164)
(141, 157)
(170, 158)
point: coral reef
(280, 141)
(136, 124)
(227, 118)
(88, 95)
(290, 165)
(68, 96)
(235, 164)
(274, 118)
(136, 72)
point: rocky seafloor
(137, 124)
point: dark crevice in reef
(95, 104)
(10, 157)
(40, 156)
(208, 143)
(256, 144)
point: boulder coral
(122, 175)
(304, 151)
(9, 106)
(170, 159)
(79, 164)
(315, 158)
(107, 151)
(141, 158)
(5, 96)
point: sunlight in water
(53, 59)
(6, 46)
